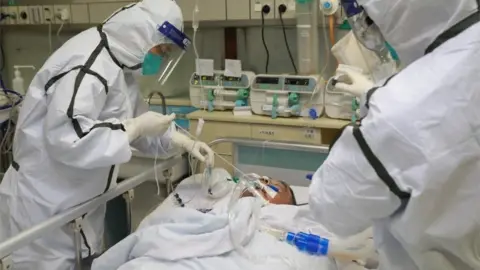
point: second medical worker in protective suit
(412, 166)
(82, 113)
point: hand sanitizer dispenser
(18, 82)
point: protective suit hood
(410, 26)
(134, 31)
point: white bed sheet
(189, 190)
(185, 239)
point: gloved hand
(199, 150)
(147, 124)
(353, 81)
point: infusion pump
(220, 92)
(287, 95)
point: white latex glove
(199, 150)
(148, 124)
(352, 80)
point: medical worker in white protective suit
(412, 166)
(82, 113)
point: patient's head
(285, 194)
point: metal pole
(167, 174)
(76, 226)
(272, 144)
(128, 196)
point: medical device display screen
(231, 79)
(267, 80)
(204, 78)
(299, 82)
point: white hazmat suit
(77, 124)
(412, 167)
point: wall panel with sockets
(96, 11)
(290, 9)
(77, 13)
(238, 10)
(256, 7)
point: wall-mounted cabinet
(238, 9)
(209, 10)
(99, 12)
(80, 13)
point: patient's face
(284, 195)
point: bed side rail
(73, 215)
(274, 144)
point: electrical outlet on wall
(310, 133)
(23, 15)
(62, 13)
(257, 7)
(48, 14)
(36, 14)
(12, 15)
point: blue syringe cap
(309, 176)
(313, 113)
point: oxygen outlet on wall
(18, 82)
(329, 7)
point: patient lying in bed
(180, 238)
(284, 195)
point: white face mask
(349, 51)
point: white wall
(30, 45)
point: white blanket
(183, 238)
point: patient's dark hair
(294, 200)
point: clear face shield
(163, 58)
(369, 36)
(365, 29)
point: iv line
(215, 153)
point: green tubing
(274, 106)
(211, 95)
(242, 94)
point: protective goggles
(364, 28)
(163, 58)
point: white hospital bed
(73, 216)
(194, 197)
